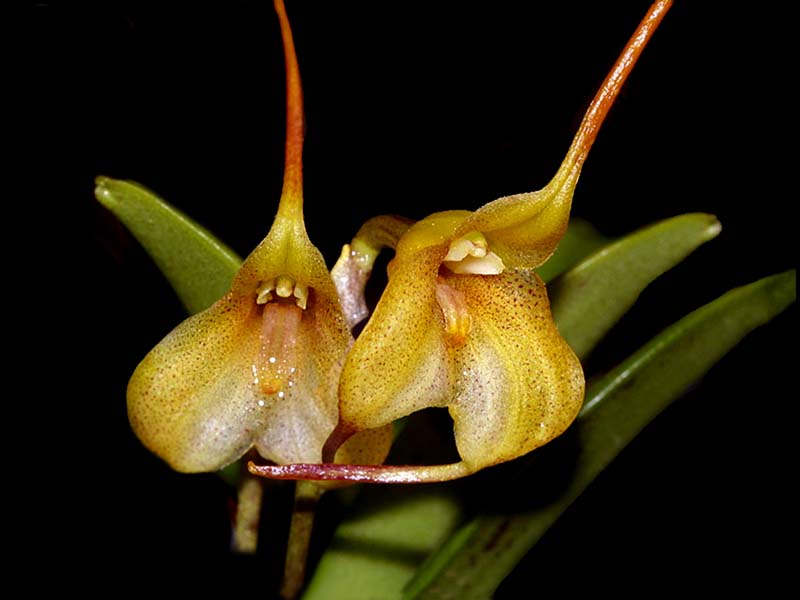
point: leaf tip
(713, 228)
(102, 190)
(783, 287)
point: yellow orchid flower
(259, 368)
(465, 322)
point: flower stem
(306, 497)
(250, 495)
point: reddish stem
(363, 473)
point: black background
(411, 108)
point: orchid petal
(399, 364)
(197, 370)
(519, 384)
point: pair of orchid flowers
(464, 323)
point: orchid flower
(259, 368)
(464, 321)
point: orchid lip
(278, 350)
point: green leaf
(197, 265)
(389, 531)
(377, 550)
(588, 300)
(484, 551)
(580, 240)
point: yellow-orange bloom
(465, 322)
(259, 368)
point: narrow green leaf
(580, 240)
(377, 550)
(617, 407)
(197, 265)
(589, 299)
